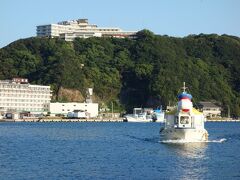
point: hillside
(147, 71)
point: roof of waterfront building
(207, 104)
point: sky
(177, 18)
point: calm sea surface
(114, 151)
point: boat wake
(183, 141)
(218, 141)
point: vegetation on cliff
(143, 72)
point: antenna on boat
(184, 87)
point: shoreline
(62, 120)
(95, 120)
(223, 120)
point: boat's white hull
(189, 135)
(132, 119)
(160, 118)
(136, 119)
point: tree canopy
(142, 72)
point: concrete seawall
(223, 120)
(92, 120)
(62, 120)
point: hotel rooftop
(69, 30)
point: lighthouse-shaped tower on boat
(184, 122)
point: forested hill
(145, 72)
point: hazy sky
(19, 18)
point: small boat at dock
(145, 115)
(158, 115)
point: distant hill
(144, 72)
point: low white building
(209, 109)
(65, 108)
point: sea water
(115, 151)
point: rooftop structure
(68, 30)
(17, 95)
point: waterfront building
(209, 109)
(17, 95)
(64, 108)
(69, 30)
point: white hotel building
(68, 30)
(17, 95)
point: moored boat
(136, 118)
(184, 122)
(145, 115)
(158, 115)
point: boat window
(184, 119)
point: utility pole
(112, 110)
(228, 111)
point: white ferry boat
(184, 122)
